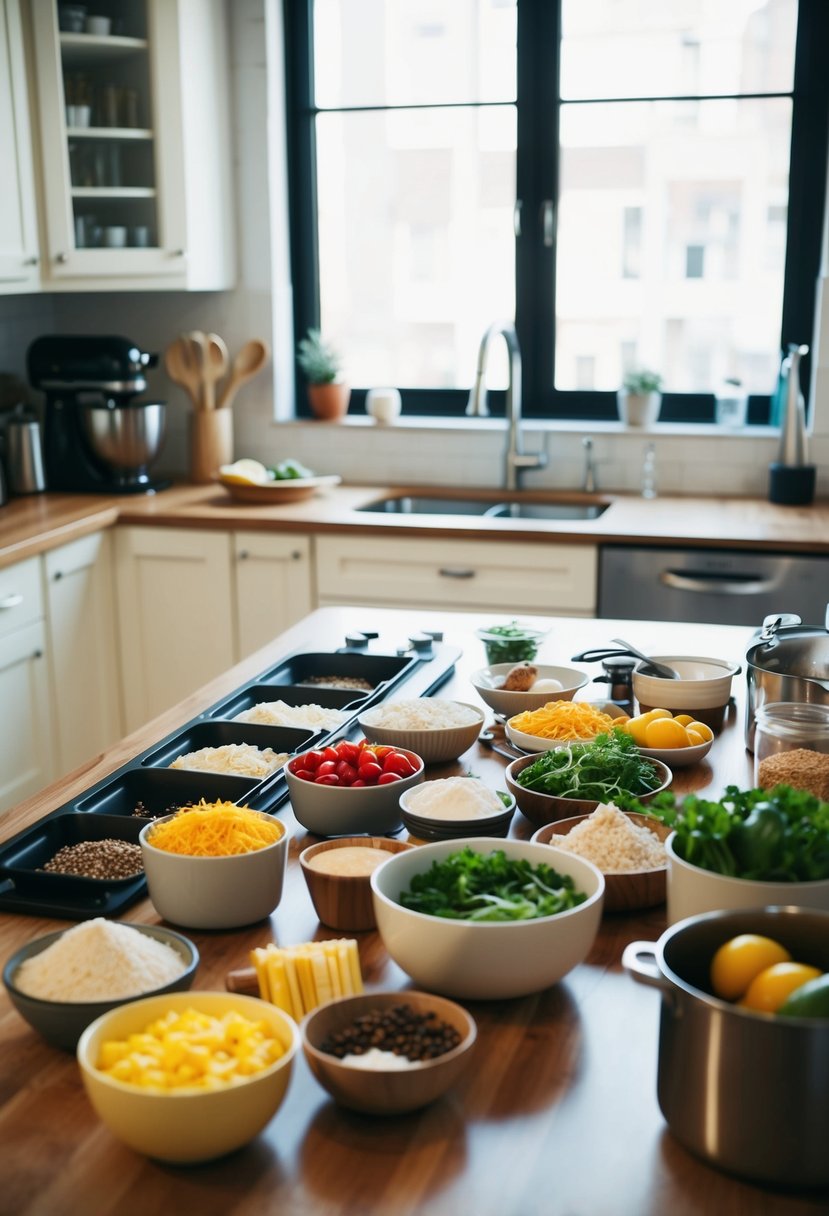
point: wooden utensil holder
(211, 443)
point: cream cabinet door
(273, 586)
(175, 615)
(457, 574)
(25, 739)
(19, 269)
(83, 654)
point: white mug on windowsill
(383, 404)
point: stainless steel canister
(24, 456)
(746, 1091)
(787, 663)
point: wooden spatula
(248, 362)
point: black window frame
(537, 107)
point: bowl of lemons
(678, 740)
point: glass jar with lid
(791, 747)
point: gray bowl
(62, 1023)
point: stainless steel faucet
(589, 484)
(516, 461)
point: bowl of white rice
(437, 730)
(62, 982)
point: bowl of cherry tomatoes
(350, 788)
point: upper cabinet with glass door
(19, 261)
(135, 144)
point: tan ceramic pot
(329, 401)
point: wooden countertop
(557, 1117)
(33, 524)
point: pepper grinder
(791, 477)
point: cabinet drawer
(457, 574)
(21, 595)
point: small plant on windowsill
(640, 397)
(328, 396)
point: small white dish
(678, 757)
(534, 743)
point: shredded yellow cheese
(215, 829)
(299, 978)
(562, 720)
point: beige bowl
(214, 892)
(691, 890)
(624, 890)
(486, 683)
(703, 689)
(434, 744)
(190, 1125)
(343, 901)
(345, 810)
(393, 1091)
(486, 961)
(535, 743)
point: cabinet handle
(243, 555)
(11, 601)
(58, 574)
(62, 258)
(38, 654)
(296, 555)
(178, 253)
(31, 261)
(455, 572)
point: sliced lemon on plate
(245, 473)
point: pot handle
(639, 960)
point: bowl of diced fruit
(349, 788)
(678, 740)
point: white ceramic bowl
(485, 961)
(214, 892)
(703, 688)
(435, 744)
(486, 683)
(691, 890)
(678, 757)
(534, 743)
(427, 827)
(189, 1125)
(340, 810)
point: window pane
(671, 241)
(416, 240)
(655, 48)
(403, 52)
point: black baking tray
(147, 778)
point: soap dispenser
(791, 477)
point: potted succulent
(640, 397)
(328, 396)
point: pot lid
(792, 649)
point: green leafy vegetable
(490, 887)
(289, 470)
(779, 835)
(603, 769)
(518, 646)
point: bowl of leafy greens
(487, 919)
(574, 779)
(747, 849)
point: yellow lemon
(656, 713)
(701, 729)
(694, 739)
(245, 473)
(665, 732)
(740, 960)
(683, 719)
(637, 727)
(772, 987)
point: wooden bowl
(548, 808)
(342, 901)
(395, 1091)
(624, 890)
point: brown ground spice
(801, 768)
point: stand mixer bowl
(127, 438)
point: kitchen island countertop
(557, 1117)
(36, 523)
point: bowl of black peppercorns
(387, 1053)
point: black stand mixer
(97, 436)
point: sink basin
(411, 504)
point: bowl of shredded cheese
(558, 723)
(191, 1076)
(215, 865)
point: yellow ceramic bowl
(190, 1125)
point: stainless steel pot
(788, 662)
(745, 1091)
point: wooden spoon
(182, 370)
(214, 366)
(251, 359)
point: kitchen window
(637, 182)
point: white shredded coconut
(613, 842)
(99, 960)
(454, 798)
(376, 1060)
(279, 713)
(238, 758)
(423, 714)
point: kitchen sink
(411, 504)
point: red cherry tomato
(387, 778)
(312, 760)
(369, 772)
(354, 784)
(382, 750)
(348, 751)
(306, 774)
(346, 772)
(330, 753)
(396, 762)
(326, 768)
(326, 779)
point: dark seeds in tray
(108, 858)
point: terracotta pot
(329, 401)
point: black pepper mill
(617, 671)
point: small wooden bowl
(395, 1091)
(342, 901)
(624, 890)
(548, 808)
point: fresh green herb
(519, 644)
(603, 769)
(779, 835)
(477, 887)
(289, 470)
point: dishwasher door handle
(700, 583)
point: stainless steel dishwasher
(713, 586)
